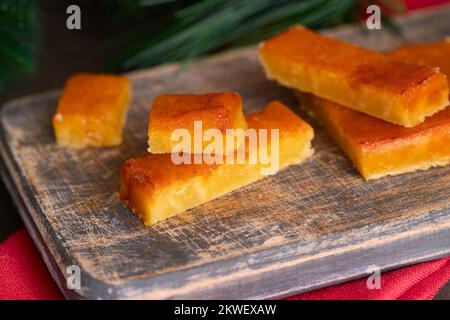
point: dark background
(64, 52)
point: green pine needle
(18, 38)
(205, 26)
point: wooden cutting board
(309, 226)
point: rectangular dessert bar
(169, 112)
(92, 111)
(355, 77)
(155, 188)
(378, 148)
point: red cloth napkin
(418, 282)
(23, 275)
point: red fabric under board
(418, 4)
(418, 282)
(23, 275)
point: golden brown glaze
(370, 132)
(434, 54)
(152, 172)
(391, 75)
(379, 148)
(299, 44)
(155, 188)
(92, 110)
(361, 79)
(222, 110)
(277, 116)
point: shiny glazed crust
(358, 78)
(169, 112)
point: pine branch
(201, 27)
(206, 26)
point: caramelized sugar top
(92, 94)
(369, 131)
(215, 110)
(358, 65)
(434, 54)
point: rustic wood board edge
(311, 273)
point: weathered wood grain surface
(309, 226)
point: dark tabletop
(64, 52)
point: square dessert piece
(92, 111)
(355, 77)
(155, 188)
(195, 113)
(378, 148)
